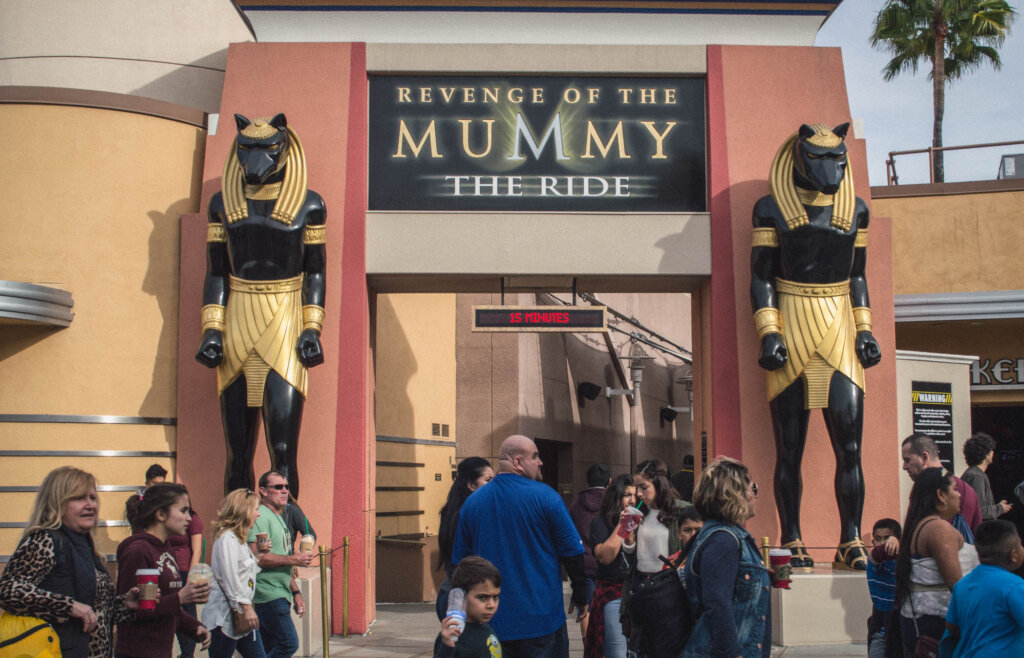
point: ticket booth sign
(540, 318)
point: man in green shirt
(276, 586)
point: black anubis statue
(813, 316)
(263, 300)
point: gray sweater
(976, 477)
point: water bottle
(457, 608)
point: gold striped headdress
(293, 188)
(784, 190)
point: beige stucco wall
(92, 204)
(990, 340)
(415, 376)
(174, 52)
(551, 366)
(606, 251)
(956, 242)
(526, 383)
(930, 367)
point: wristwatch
(296, 592)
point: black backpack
(660, 611)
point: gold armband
(314, 235)
(767, 322)
(862, 238)
(312, 317)
(765, 237)
(862, 318)
(213, 317)
(216, 233)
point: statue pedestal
(309, 627)
(826, 607)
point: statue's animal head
(820, 160)
(261, 147)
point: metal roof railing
(890, 165)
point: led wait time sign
(540, 318)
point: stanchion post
(344, 590)
(325, 618)
(765, 546)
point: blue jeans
(614, 640)
(185, 643)
(222, 646)
(276, 628)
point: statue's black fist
(211, 350)
(310, 351)
(867, 349)
(773, 352)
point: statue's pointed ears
(241, 122)
(808, 131)
(279, 121)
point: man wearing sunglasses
(276, 584)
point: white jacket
(234, 574)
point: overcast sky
(983, 107)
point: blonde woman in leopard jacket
(56, 575)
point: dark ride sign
(531, 144)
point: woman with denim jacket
(727, 581)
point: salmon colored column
(354, 464)
(723, 427)
(321, 88)
(757, 97)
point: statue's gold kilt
(263, 323)
(819, 333)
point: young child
(881, 572)
(688, 524)
(482, 583)
(985, 618)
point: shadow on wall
(20, 337)
(602, 431)
(161, 282)
(677, 246)
(395, 369)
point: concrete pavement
(407, 630)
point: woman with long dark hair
(657, 536)
(933, 557)
(56, 575)
(471, 474)
(604, 635)
(725, 575)
(162, 510)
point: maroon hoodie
(583, 510)
(151, 634)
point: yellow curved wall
(92, 201)
(956, 242)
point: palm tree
(956, 36)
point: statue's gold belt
(810, 289)
(282, 285)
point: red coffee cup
(631, 518)
(780, 558)
(149, 587)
